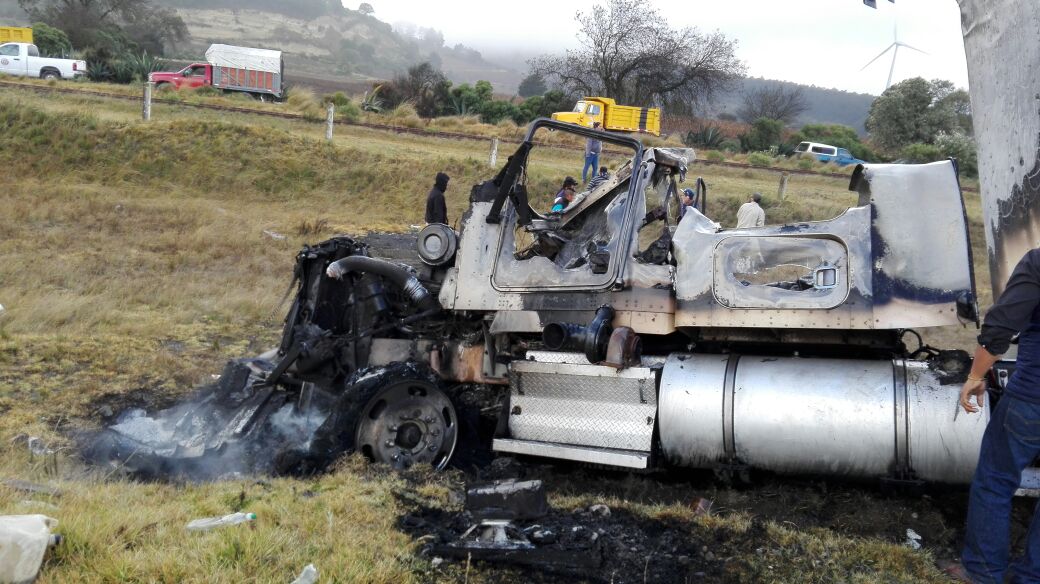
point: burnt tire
(397, 415)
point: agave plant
(137, 67)
(709, 136)
(371, 102)
(98, 71)
(460, 107)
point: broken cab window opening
(779, 271)
(577, 228)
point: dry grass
(132, 257)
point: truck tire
(397, 415)
(50, 74)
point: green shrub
(805, 163)
(493, 112)
(962, 147)
(730, 146)
(920, 153)
(714, 156)
(759, 159)
(764, 134)
(337, 99)
(348, 111)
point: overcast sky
(815, 42)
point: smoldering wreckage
(613, 334)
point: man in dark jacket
(1012, 438)
(436, 209)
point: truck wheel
(50, 74)
(395, 415)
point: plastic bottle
(214, 522)
(309, 575)
(23, 541)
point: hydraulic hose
(395, 274)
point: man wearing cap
(565, 196)
(750, 214)
(593, 147)
(687, 202)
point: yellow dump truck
(620, 118)
(15, 34)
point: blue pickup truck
(826, 153)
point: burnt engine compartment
(296, 409)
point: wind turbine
(894, 47)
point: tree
(493, 112)
(469, 99)
(764, 134)
(544, 106)
(630, 53)
(51, 41)
(775, 103)
(532, 85)
(914, 111)
(424, 86)
(149, 27)
(366, 9)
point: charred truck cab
(618, 334)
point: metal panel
(580, 359)
(607, 456)
(1030, 485)
(904, 269)
(585, 405)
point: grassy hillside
(133, 262)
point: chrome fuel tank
(844, 417)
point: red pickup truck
(254, 71)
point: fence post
(146, 108)
(782, 190)
(493, 158)
(330, 113)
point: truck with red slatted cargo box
(258, 72)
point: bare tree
(775, 103)
(630, 53)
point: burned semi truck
(620, 332)
(624, 333)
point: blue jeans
(1010, 444)
(591, 161)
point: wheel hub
(408, 422)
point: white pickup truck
(23, 59)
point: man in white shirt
(750, 214)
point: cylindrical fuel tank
(845, 417)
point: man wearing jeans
(1012, 438)
(592, 149)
